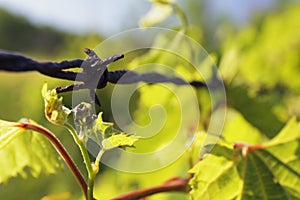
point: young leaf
(106, 136)
(269, 171)
(119, 140)
(104, 128)
(55, 112)
(21, 150)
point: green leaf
(216, 176)
(281, 173)
(259, 181)
(23, 151)
(106, 136)
(268, 171)
(55, 112)
(237, 128)
(285, 148)
(290, 133)
(256, 111)
(158, 13)
(105, 128)
(8, 133)
(120, 140)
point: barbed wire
(93, 68)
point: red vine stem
(174, 184)
(60, 148)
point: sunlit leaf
(120, 140)
(105, 128)
(256, 111)
(23, 151)
(290, 133)
(285, 146)
(8, 133)
(237, 128)
(216, 176)
(268, 171)
(107, 137)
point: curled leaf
(104, 128)
(55, 112)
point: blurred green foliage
(24, 89)
(259, 64)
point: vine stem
(174, 184)
(60, 148)
(98, 159)
(87, 161)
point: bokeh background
(255, 43)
